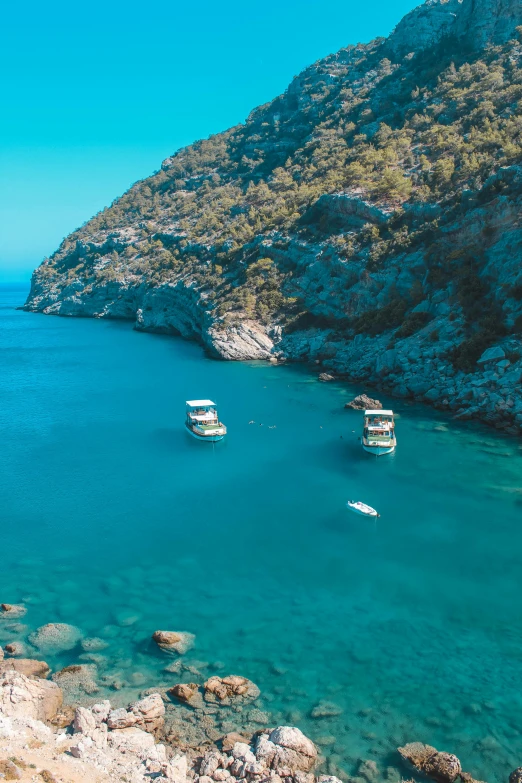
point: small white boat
(379, 432)
(203, 422)
(361, 508)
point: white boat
(202, 421)
(379, 432)
(361, 508)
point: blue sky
(95, 95)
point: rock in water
(174, 641)
(12, 611)
(516, 776)
(55, 637)
(184, 691)
(364, 403)
(27, 666)
(325, 376)
(230, 687)
(439, 766)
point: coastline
(411, 369)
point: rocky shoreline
(47, 735)
(412, 369)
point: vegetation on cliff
(416, 135)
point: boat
(202, 421)
(361, 508)
(379, 432)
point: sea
(366, 634)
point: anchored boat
(361, 508)
(379, 432)
(203, 422)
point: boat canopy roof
(199, 403)
(378, 413)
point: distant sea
(115, 520)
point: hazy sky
(94, 96)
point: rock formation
(363, 403)
(396, 263)
(178, 642)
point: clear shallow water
(110, 511)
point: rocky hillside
(367, 219)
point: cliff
(367, 219)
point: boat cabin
(378, 423)
(379, 432)
(202, 412)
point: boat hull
(378, 451)
(205, 438)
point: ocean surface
(115, 520)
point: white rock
(84, 721)
(121, 719)
(294, 739)
(101, 711)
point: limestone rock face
(478, 22)
(23, 697)
(174, 641)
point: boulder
(135, 741)
(516, 776)
(364, 403)
(230, 687)
(184, 691)
(493, 354)
(325, 376)
(149, 712)
(121, 719)
(294, 739)
(25, 697)
(84, 721)
(15, 649)
(174, 641)
(439, 766)
(27, 666)
(230, 739)
(56, 637)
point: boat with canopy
(202, 421)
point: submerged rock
(364, 403)
(516, 776)
(174, 641)
(325, 376)
(15, 649)
(12, 611)
(55, 637)
(439, 766)
(326, 709)
(77, 680)
(184, 691)
(27, 666)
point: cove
(114, 520)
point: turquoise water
(115, 520)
